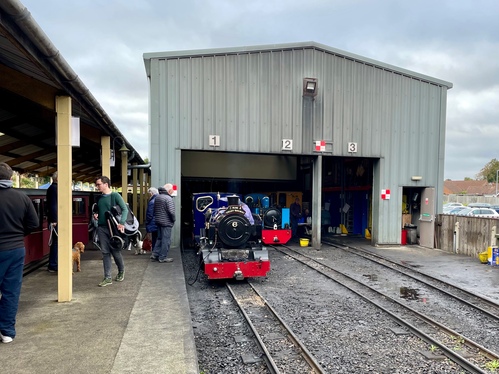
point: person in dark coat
(164, 215)
(18, 217)
(52, 221)
(151, 228)
(295, 210)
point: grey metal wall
(252, 98)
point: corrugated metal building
(257, 113)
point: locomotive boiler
(230, 242)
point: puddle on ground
(373, 277)
(412, 294)
(409, 263)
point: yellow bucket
(483, 257)
(304, 242)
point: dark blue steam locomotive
(230, 237)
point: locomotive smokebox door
(233, 230)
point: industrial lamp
(310, 87)
(124, 149)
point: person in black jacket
(164, 216)
(295, 210)
(18, 218)
(52, 221)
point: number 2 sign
(287, 145)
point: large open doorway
(347, 193)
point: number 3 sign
(352, 147)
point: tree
(27, 181)
(489, 171)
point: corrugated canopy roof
(32, 73)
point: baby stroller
(131, 236)
(121, 240)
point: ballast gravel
(345, 333)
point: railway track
(475, 301)
(442, 339)
(282, 350)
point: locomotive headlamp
(310, 87)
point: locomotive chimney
(233, 200)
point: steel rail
(366, 255)
(304, 351)
(453, 356)
(270, 362)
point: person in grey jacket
(18, 218)
(164, 216)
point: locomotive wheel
(234, 230)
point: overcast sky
(454, 40)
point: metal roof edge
(50, 55)
(288, 46)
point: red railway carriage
(36, 243)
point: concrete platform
(141, 325)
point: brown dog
(78, 249)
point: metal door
(427, 218)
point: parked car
(455, 210)
(495, 207)
(449, 205)
(479, 205)
(452, 207)
(483, 212)
(464, 212)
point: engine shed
(361, 139)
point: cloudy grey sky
(453, 40)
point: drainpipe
(146, 166)
(456, 238)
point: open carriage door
(427, 218)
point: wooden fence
(475, 234)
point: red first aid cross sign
(385, 194)
(320, 145)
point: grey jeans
(107, 251)
(163, 242)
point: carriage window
(203, 203)
(37, 203)
(78, 206)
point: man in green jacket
(107, 200)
